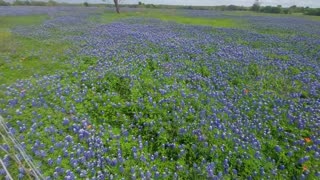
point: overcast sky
(285, 3)
(310, 3)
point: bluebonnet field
(151, 99)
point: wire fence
(18, 154)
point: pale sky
(310, 3)
(285, 3)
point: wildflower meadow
(158, 94)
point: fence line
(9, 137)
(5, 169)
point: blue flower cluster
(147, 99)
(62, 24)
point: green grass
(21, 57)
(251, 13)
(13, 21)
(300, 15)
(31, 57)
(171, 15)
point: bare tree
(116, 4)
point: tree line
(256, 7)
(285, 10)
(29, 3)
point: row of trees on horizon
(256, 7)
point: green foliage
(21, 3)
(4, 3)
(278, 57)
(296, 9)
(280, 10)
(118, 90)
(271, 9)
(38, 3)
(86, 4)
(256, 6)
(253, 70)
(204, 71)
(52, 3)
(313, 12)
(34, 3)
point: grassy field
(160, 94)
(22, 56)
(172, 15)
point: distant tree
(15, 3)
(271, 9)
(232, 8)
(86, 4)
(38, 3)
(20, 3)
(34, 3)
(293, 7)
(52, 3)
(286, 11)
(150, 6)
(279, 9)
(27, 3)
(256, 6)
(296, 9)
(3, 3)
(140, 3)
(312, 11)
